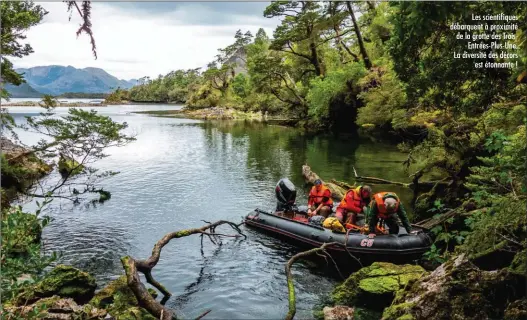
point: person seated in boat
(320, 202)
(387, 206)
(354, 202)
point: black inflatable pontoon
(292, 224)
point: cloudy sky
(136, 39)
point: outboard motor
(285, 195)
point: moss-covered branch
(290, 285)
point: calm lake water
(180, 172)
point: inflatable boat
(291, 223)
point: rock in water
(63, 281)
(374, 287)
(460, 290)
(338, 313)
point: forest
(388, 70)
(384, 69)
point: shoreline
(59, 104)
(219, 113)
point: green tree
(17, 17)
(299, 32)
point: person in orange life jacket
(354, 202)
(386, 205)
(320, 201)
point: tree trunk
(367, 61)
(314, 59)
(371, 5)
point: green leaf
(437, 229)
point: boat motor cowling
(285, 195)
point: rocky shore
(457, 289)
(215, 113)
(69, 293)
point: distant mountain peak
(56, 79)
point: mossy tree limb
(132, 267)
(290, 285)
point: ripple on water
(180, 172)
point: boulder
(338, 313)
(375, 286)
(63, 281)
(458, 289)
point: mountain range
(56, 80)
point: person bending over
(353, 203)
(387, 206)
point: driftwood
(132, 268)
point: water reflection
(180, 172)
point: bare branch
(132, 267)
(203, 314)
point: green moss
(119, 300)
(117, 289)
(65, 281)
(519, 263)
(398, 311)
(375, 286)
(379, 285)
(67, 165)
(153, 293)
(135, 313)
(182, 233)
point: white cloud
(131, 43)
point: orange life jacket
(353, 201)
(383, 213)
(317, 197)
